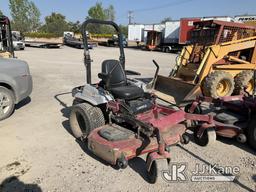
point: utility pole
(130, 16)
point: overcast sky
(145, 11)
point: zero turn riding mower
(233, 117)
(120, 121)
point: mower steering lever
(161, 143)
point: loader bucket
(175, 90)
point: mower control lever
(156, 73)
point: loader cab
(214, 32)
(6, 45)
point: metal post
(130, 16)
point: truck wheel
(84, 118)
(242, 80)
(7, 103)
(208, 137)
(252, 134)
(156, 170)
(167, 50)
(218, 84)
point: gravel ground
(38, 152)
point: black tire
(197, 110)
(7, 103)
(84, 118)
(243, 79)
(251, 133)
(208, 137)
(218, 84)
(155, 171)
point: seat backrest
(118, 77)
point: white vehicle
(136, 32)
(18, 43)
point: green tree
(96, 12)
(1, 13)
(34, 16)
(99, 12)
(25, 15)
(55, 23)
(75, 26)
(124, 29)
(110, 13)
(166, 20)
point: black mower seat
(114, 80)
(228, 117)
(129, 92)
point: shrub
(101, 35)
(41, 35)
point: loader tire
(242, 80)
(218, 84)
(84, 118)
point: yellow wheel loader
(218, 62)
(6, 45)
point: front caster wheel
(241, 138)
(156, 170)
(122, 163)
(185, 139)
(208, 137)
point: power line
(175, 3)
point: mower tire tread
(92, 117)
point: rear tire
(251, 134)
(208, 137)
(218, 84)
(242, 80)
(84, 118)
(7, 103)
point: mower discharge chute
(219, 62)
(120, 121)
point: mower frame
(87, 57)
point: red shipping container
(186, 24)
